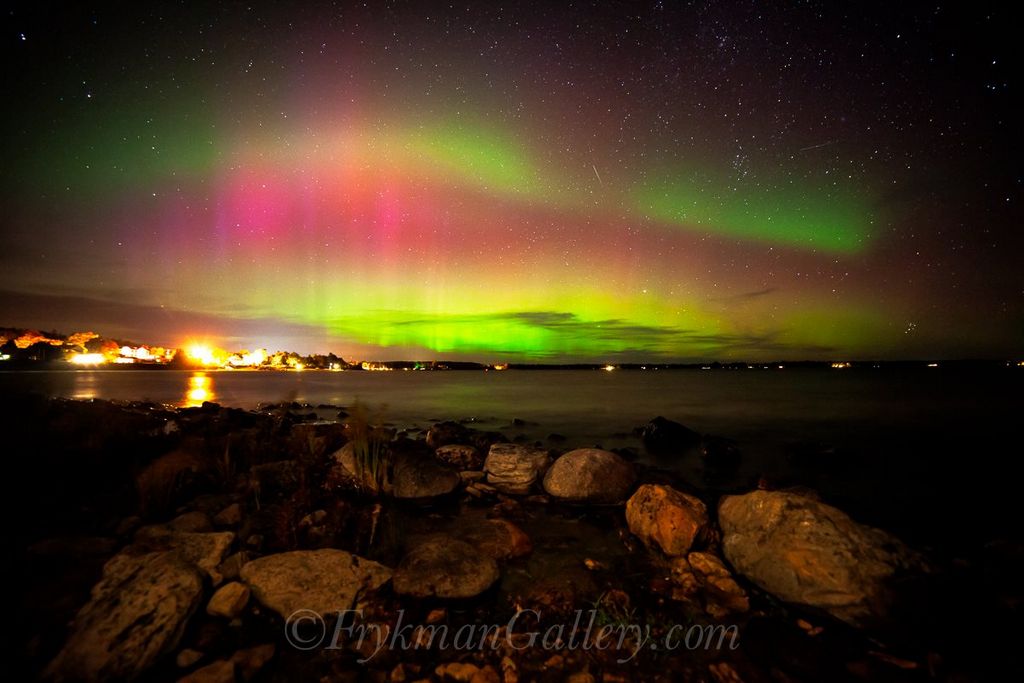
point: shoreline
(471, 530)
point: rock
(460, 456)
(421, 478)
(136, 613)
(231, 568)
(229, 516)
(317, 438)
(448, 433)
(464, 672)
(250, 660)
(401, 673)
(229, 600)
(470, 476)
(581, 677)
(590, 475)
(498, 538)
(187, 658)
(665, 437)
(444, 567)
(221, 671)
(324, 581)
(205, 550)
(315, 518)
(702, 578)
(809, 553)
(659, 515)
(513, 469)
(194, 522)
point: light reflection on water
(86, 386)
(200, 389)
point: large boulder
(418, 478)
(445, 567)
(204, 550)
(809, 553)
(513, 468)
(445, 433)
(666, 518)
(460, 456)
(590, 475)
(662, 436)
(325, 581)
(137, 612)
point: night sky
(603, 181)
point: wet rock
(251, 660)
(136, 613)
(229, 516)
(448, 433)
(229, 600)
(498, 538)
(325, 580)
(221, 671)
(418, 478)
(664, 437)
(666, 518)
(806, 552)
(590, 475)
(453, 433)
(444, 567)
(194, 522)
(513, 469)
(317, 438)
(460, 456)
(205, 550)
(703, 579)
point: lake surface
(900, 447)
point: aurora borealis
(586, 182)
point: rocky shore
(163, 544)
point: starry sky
(607, 181)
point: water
(910, 449)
